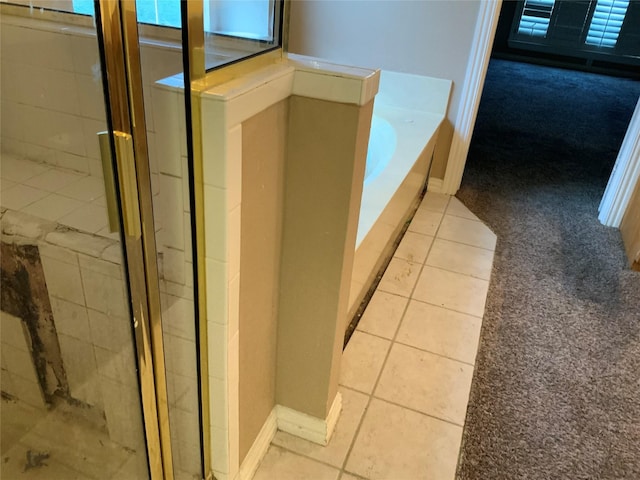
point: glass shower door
(80, 358)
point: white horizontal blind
(535, 17)
(606, 22)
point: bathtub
(407, 115)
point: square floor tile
(353, 405)
(5, 183)
(347, 476)
(425, 222)
(426, 382)
(452, 290)
(53, 180)
(86, 189)
(52, 207)
(467, 231)
(88, 218)
(19, 170)
(396, 443)
(362, 361)
(284, 465)
(400, 277)
(436, 202)
(382, 315)
(19, 196)
(461, 258)
(414, 247)
(458, 209)
(438, 330)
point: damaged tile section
(24, 295)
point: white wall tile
(218, 403)
(167, 138)
(186, 391)
(216, 277)
(28, 392)
(184, 163)
(233, 241)
(15, 120)
(104, 293)
(71, 319)
(214, 143)
(109, 332)
(117, 365)
(233, 384)
(85, 55)
(20, 363)
(220, 450)
(100, 266)
(234, 166)
(173, 265)
(234, 305)
(218, 344)
(171, 211)
(44, 48)
(78, 163)
(188, 443)
(91, 97)
(180, 356)
(178, 317)
(46, 88)
(13, 332)
(188, 250)
(78, 360)
(122, 411)
(6, 383)
(215, 219)
(63, 280)
(90, 130)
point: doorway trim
(481, 46)
(624, 177)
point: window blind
(607, 22)
(535, 18)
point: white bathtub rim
(414, 130)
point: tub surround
(314, 120)
(415, 106)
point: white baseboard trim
(310, 428)
(259, 448)
(435, 185)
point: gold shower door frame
(125, 148)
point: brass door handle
(128, 185)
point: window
(606, 22)
(156, 12)
(251, 19)
(535, 18)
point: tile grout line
(404, 311)
(411, 409)
(463, 243)
(454, 271)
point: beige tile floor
(56, 194)
(406, 373)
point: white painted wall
(424, 37)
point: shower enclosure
(101, 342)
